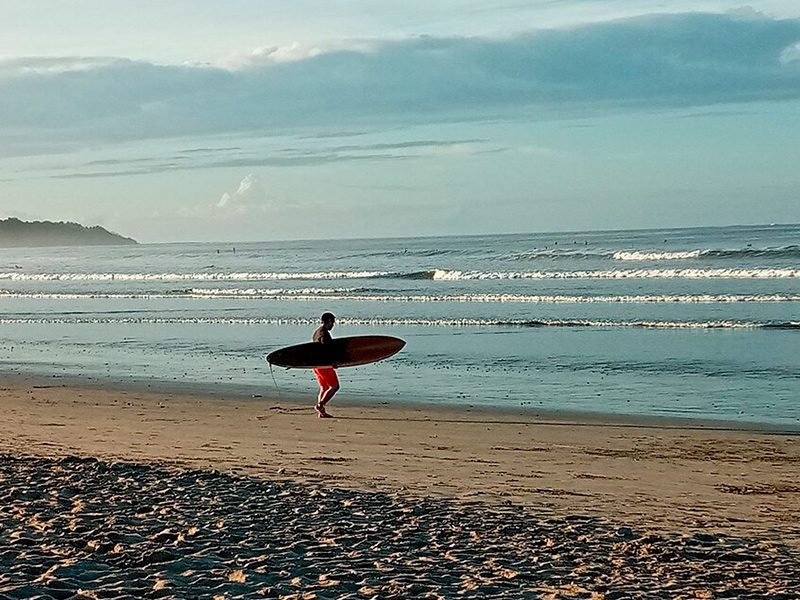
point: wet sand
(212, 496)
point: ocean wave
(421, 253)
(359, 295)
(79, 296)
(465, 322)
(453, 275)
(792, 251)
(269, 293)
(433, 274)
(640, 255)
(17, 276)
(272, 293)
(554, 253)
(494, 298)
(417, 275)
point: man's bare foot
(322, 413)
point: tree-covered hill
(16, 233)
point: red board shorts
(327, 377)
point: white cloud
(289, 53)
(791, 54)
(249, 199)
(46, 65)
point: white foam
(436, 274)
(640, 255)
(86, 296)
(496, 298)
(447, 275)
(466, 322)
(17, 276)
(269, 292)
(346, 295)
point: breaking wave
(362, 295)
(638, 255)
(434, 274)
(466, 322)
(451, 275)
(500, 298)
(269, 293)
(792, 251)
(16, 276)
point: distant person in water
(326, 376)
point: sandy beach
(543, 257)
(587, 498)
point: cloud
(236, 157)
(791, 54)
(270, 55)
(45, 65)
(642, 63)
(157, 166)
(249, 199)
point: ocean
(700, 323)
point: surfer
(326, 376)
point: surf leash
(277, 389)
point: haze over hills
(15, 233)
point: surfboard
(340, 352)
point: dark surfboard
(340, 352)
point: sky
(256, 120)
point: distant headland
(15, 233)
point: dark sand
(239, 498)
(88, 529)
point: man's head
(328, 320)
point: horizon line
(477, 235)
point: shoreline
(267, 392)
(732, 482)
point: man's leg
(321, 394)
(322, 398)
(326, 395)
(320, 374)
(329, 385)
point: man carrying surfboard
(326, 376)
(325, 355)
